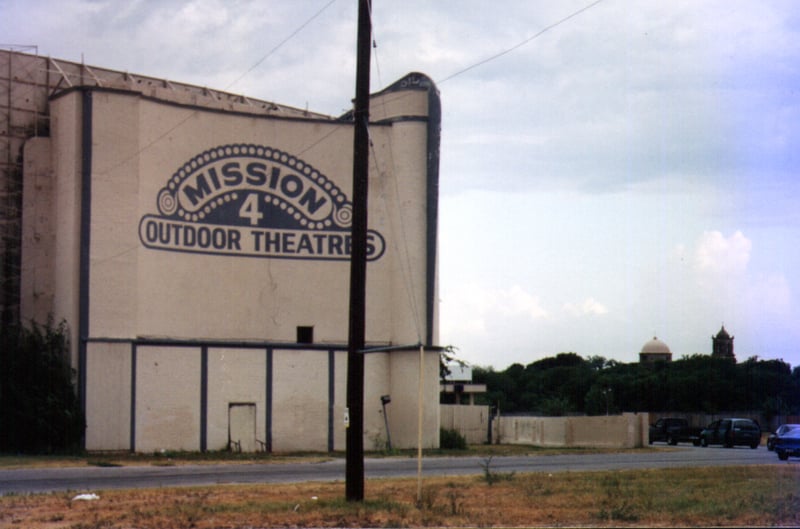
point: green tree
(39, 408)
(567, 383)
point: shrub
(39, 409)
(452, 439)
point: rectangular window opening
(305, 334)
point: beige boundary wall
(470, 421)
(629, 430)
(200, 255)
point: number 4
(250, 210)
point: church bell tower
(723, 345)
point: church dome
(656, 346)
(723, 334)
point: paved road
(97, 478)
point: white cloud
(515, 301)
(590, 151)
(472, 309)
(717, 255)
(588, 307)
(465, 310)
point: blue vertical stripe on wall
(331, 396)
(268, 390)
(203, 398)
(133, 397)
(85, 244)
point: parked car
(674, 430)
(788, 444)
(782, 429)
(732, 432)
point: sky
(610, 171)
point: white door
(242, 427)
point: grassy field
(766, 495)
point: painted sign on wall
(255, 201)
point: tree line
(570, 384)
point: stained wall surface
(203, 266)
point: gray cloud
(625, 132)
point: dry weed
(765, 495)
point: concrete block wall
(470, 421)
(628, 430)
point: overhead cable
(517, 46)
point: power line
(502, 53)
(405, 266)
(256, 65)
(517, 46)
(281, 43)
(400, 240)
(403, 252)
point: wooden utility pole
(354, 469)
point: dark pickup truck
(673, 430)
